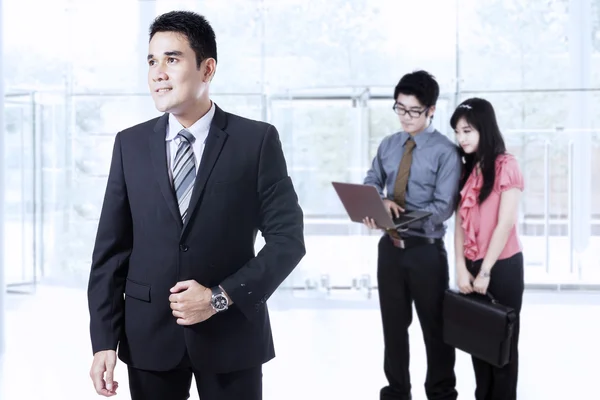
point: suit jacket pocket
(137, 290)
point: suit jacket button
(183, 247)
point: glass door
(556, 230)
(323, 142)
(334, 138)
(21, 194)
(590, 274)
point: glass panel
(509, 44)
(320, 136)
(341, 43)
(591, 274)
(36, 61)
(95, 63)
(383, 121)
(53, 170)
(595, 59)
(322, 142)
(328, 140)
(544, 157)
(20, 204)
(246, 105)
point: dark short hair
(479, 114)
(420, 84)
(194, 27)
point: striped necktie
(184, 171)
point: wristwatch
(218, 300)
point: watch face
(219, 302)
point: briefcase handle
(489, 296)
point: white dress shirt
(199, 130)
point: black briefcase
(479, 326)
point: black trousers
(175, 384)
(506, 285)
(418, 274)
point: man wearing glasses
(417, 168)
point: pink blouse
(480, 220)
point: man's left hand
(190, 302)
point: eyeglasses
(412, 113)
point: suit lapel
(158, 153)
(212, 149)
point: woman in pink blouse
(488, 250)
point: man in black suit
(175, 283)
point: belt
(413, 241)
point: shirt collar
(420, 138)
(199, 129)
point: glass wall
(323, 73)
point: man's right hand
(104, 362)
(392, 208)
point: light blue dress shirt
(433, 181)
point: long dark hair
(480, 114)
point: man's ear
(430, 112)
(209, 67)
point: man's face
(419, 120)
(175, 81)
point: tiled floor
(323, 353)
